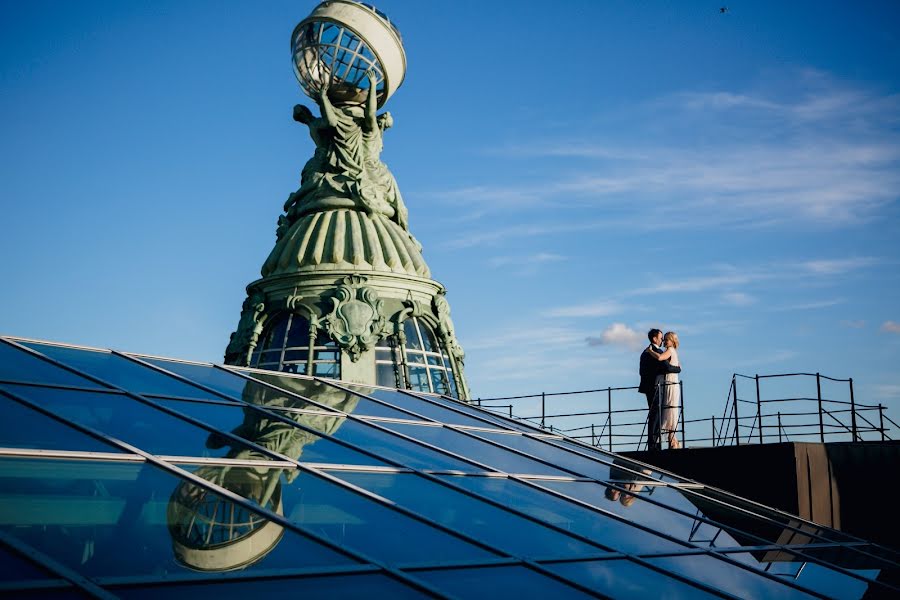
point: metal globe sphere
(339, 43)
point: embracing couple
(659, 383)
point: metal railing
(620, 429)
(798, 418)
(620, 424)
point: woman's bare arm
(664, 356)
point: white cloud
(837, 266)
(738, 299)
(618, 334)
(811, 305)
(525, 261)
(887, 391)
(595, 309)
(890, 327)
(854, 324)
(818, 154)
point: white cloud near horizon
(595, 309)
(738, 299)
(824, 156)
(525, 265)
(618, 334)
(890, 327)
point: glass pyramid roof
(125, 475)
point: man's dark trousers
(654, 441)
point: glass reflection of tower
(346, 293)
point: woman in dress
(669, 389)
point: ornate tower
(346, 293)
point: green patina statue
(346, 170)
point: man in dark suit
(650, 368)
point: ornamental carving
(355, 322)
(445, 325)
(244, 339)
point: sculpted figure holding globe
(346, 169)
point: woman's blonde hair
(671, 339)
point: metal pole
(821, 419)
(714, 431)
(681, 409)
(592, 435)
(779, 426)
(759, 411)
(881, 421)
(659, 403)
(852, 412)
(609, 407)
(543, 408)
(737, 434)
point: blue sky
(577, 172)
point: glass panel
(134, 520)
(487, 418)
(412, 335)
(807, 574)
(23, 427)
(422, 407)
(121, 372)
(331, 396)
(330, 370)
(623, 578)
(298, 334)
(765, 528)
(471, 516)
(296, 355)
(418, 379)
(14, 567)
(415, 358)
(274, 434)
(439, 381)
(454, 391)
(384, 354)
(484, 453)
(131, 421)
(504, 583)
(294, 368)
(576, 463)
(275, 336)
(323, 340)
(59, 593)
(18, 365)
(385, 375)
(391, 447)
(631, 507)
(619, 460)
(435, 360)
(727, 577)
(428, 340)
(327, 355)
(343, 586)
(588, 523)
(347, 518)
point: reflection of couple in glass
(622, 475)
(659, 369)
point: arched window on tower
(286, 347)
(427, 367)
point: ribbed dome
(344, 239)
